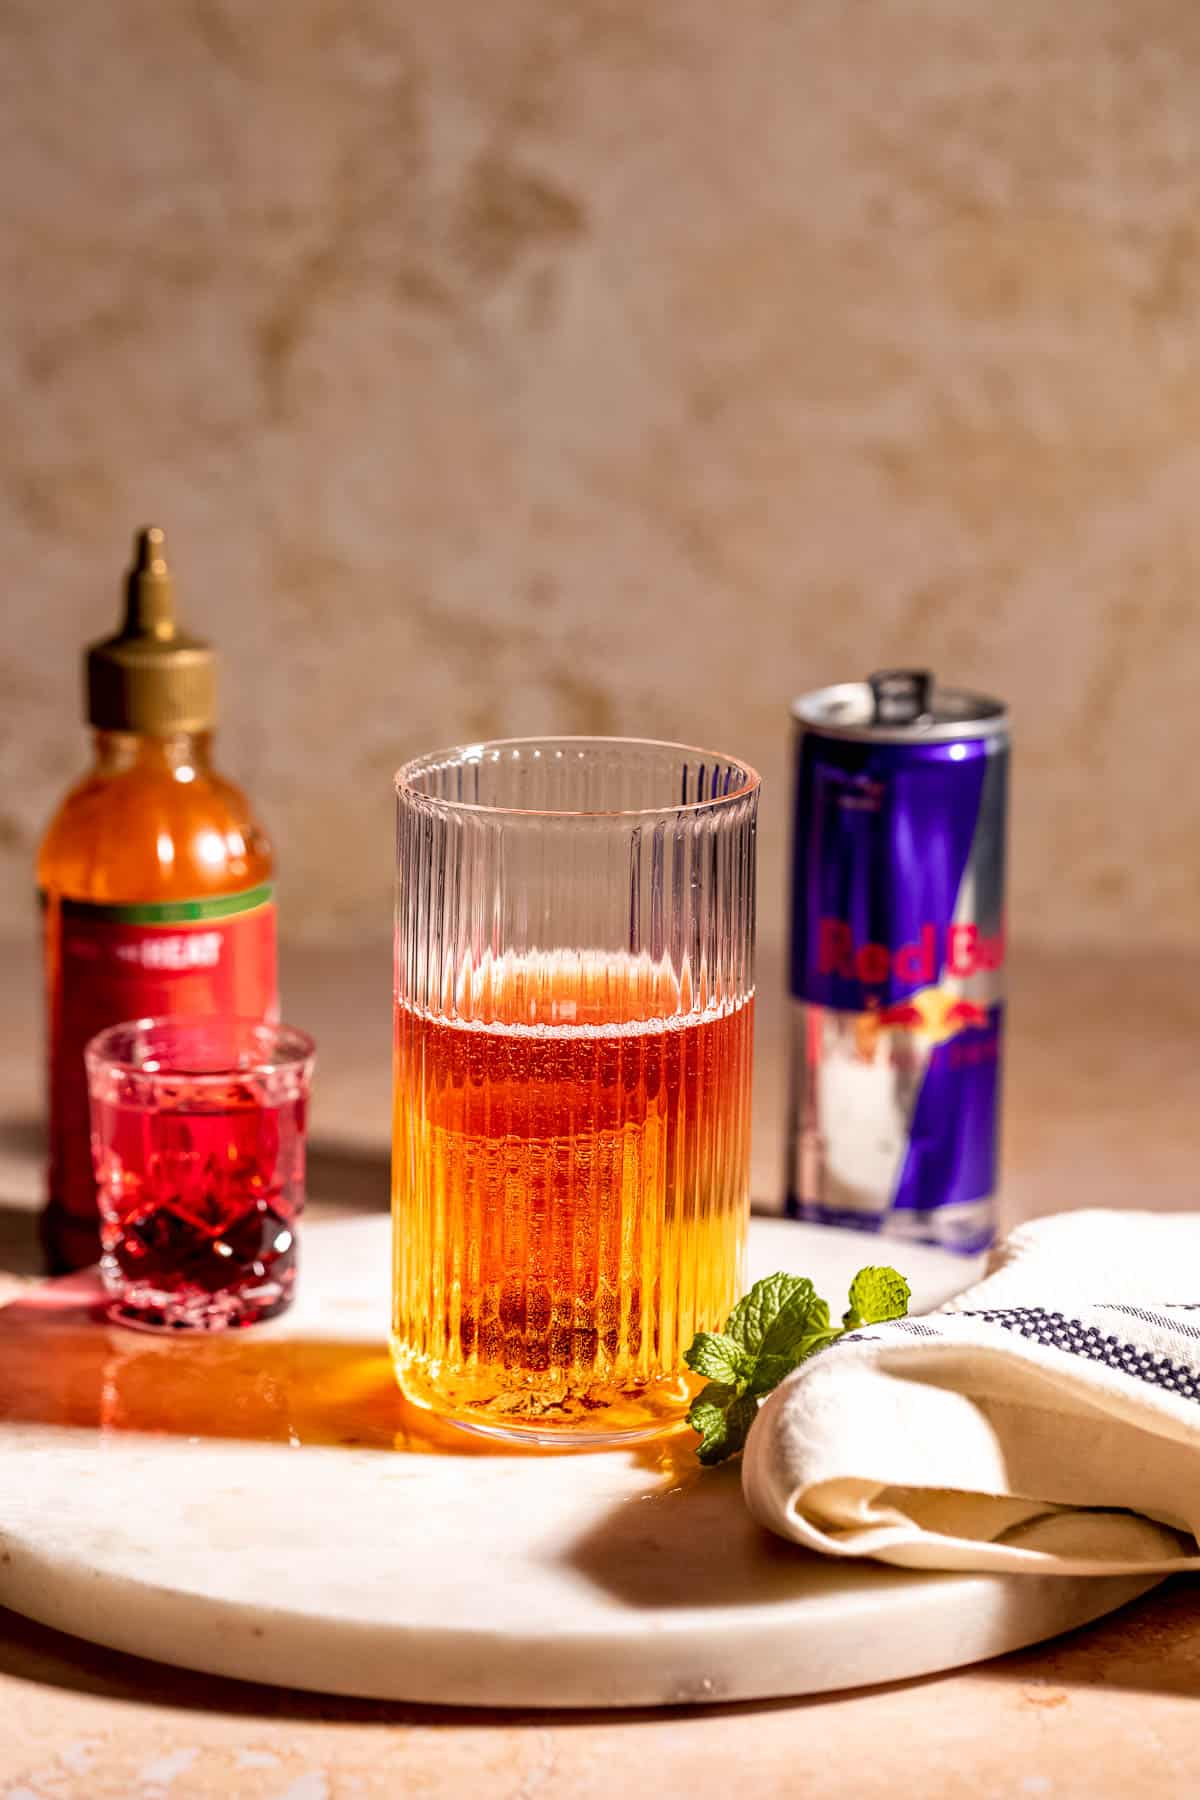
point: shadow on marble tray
(690, 1543)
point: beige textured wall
(615, 365)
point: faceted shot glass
(198, 1141)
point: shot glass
(573, 1021)
(198, 1142)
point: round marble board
(265, 1505)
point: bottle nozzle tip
(151, 551)
(150, 608)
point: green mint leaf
(817, 1339)
(775, 1297)
(722, 1418)
(706, 1415)
(793, 1319)
(876, 1295)
(800, 1327)
(719, 1359)
(773, 1329)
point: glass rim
(293, 1048)
(466, 754)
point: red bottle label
(110, 963)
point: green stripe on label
(172, 912)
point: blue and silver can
(897, 959)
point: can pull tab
(902, 696)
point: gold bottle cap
(151, 677)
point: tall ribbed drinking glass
(574, 1001)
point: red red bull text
(967, 952)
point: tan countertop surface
(1103, 1089)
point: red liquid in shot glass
(200, 1191)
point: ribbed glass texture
(573, 1022)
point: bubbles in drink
(570, 1183)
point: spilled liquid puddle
(62, 1364)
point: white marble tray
(265, 1506)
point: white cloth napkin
(1046, 1421)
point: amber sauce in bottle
(154, 876)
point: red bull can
(897, 959)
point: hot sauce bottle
(155, 878)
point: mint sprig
(773, 1329)
(876, 1295)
